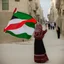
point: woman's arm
(44, 31)
(36, 35)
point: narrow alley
(21, 17)
(24, 53)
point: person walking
(48, 25)
(40, 55)
(58, 32)
(55, 24)
(51, 25)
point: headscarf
(38, 28)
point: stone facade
(57, 13)
(60, 9)
(53, 12)
(35, 10)
(62, 16)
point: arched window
(5, 4)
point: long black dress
(40, 55)
(39, 47)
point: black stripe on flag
(13, 17)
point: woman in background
(58, 32)
(40, 55)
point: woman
(58, 32)
(39, 49)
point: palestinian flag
(21, 25)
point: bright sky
(45, 4)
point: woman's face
(38, 27)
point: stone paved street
(23, 52)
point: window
(17, 0)
(30, 0)
(5, 4)
(63, 12)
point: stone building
(60, 10)
(35, 9)
(53, 12)
(7, 7)
(57, 13)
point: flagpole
(14, 10)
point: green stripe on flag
(30, 24)
(22, 15)
(23, 35)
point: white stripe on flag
(23, 29)
(13, 21)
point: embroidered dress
(40, 55)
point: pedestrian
(51, 25)
(40, 55)
(48, 25)
(54, 24)
(58, 32)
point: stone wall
(5, 37)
